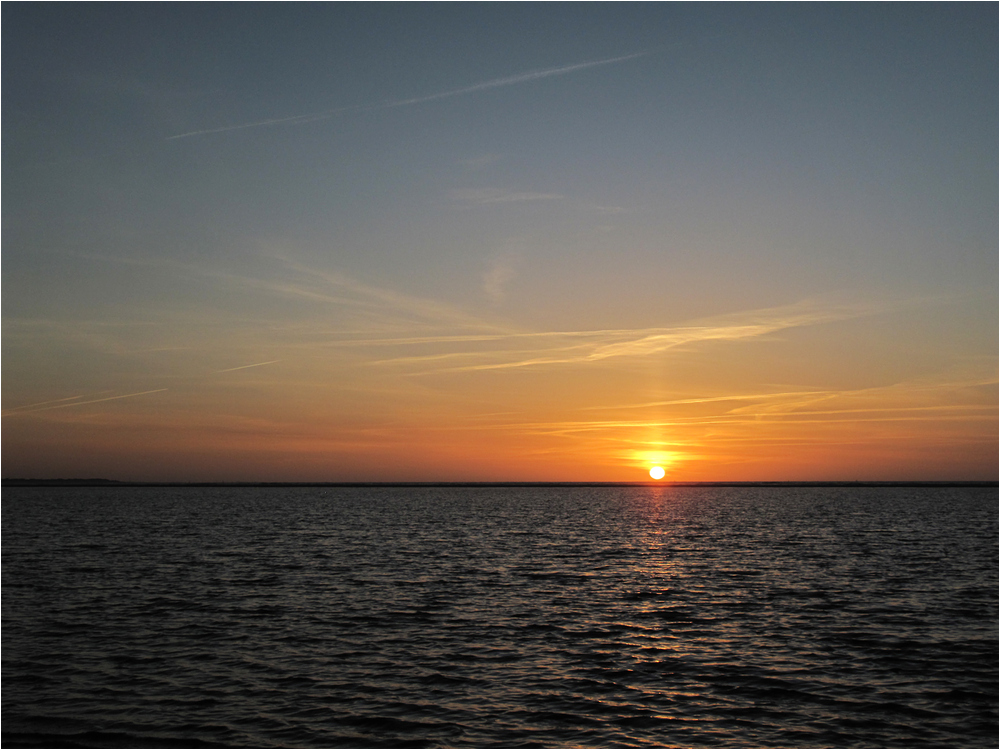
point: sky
(500, 242)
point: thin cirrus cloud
(483, 196)
(297, 281)
(886, 398)
(899, 410)
(774, 418)
(495, 280)
(74, 402)
(441, 339)
(580, 347)
(244, 367)
(378, 302)
(483, 86)
(450, 339)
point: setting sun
(657, 472)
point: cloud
(476, 87)
(294, 120)
(27, 410)
(755, 418)
(243, 367)
(295, 280)
(403, 308)
(513, 80)
(478, 162)
(785, 418)
(579, 347)
(421, 336)
(483, 196)
(43, 403)
(496, 278)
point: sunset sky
(380, 242)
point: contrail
(61, 402)
(512, 80)
(243, 367)
(297, 119)
(81, 403)
(495, 83)
(43, 403)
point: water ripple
(527, 617)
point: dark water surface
(414, 617)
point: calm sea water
(415, 617)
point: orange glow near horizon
(541, 425)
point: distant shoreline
(14, 482)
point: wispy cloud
(964, 407)
(577, 347)
(516, 79)
(708, 400)
(244, 367)
(478, 162)
(408, 310)
(474, 88)
(42, 403)
(483, 196)
(611, 209)
(895, 410)
(27, 410)
(284, 276)
(495, 280)
(294, 120)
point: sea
(500, 616)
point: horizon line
(99, 482)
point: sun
(657, 472)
